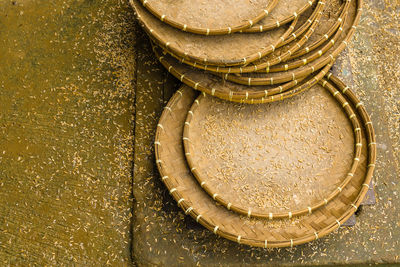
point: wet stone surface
(81, 95)
(66, 132)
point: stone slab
(66, 132)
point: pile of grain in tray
(273, 165)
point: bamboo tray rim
(308, 67)
(281, 92)
(311, 55)
(300, 30)
(259, 27)
(211, 31)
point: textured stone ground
(68, 74)
(66, 132)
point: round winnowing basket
(195, 202)
(243, 47)
(272, 161)
(210, 17)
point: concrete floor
(81, 94)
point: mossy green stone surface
(80, 98)
(66, 132)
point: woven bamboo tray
(281, 77)
(284, 12)
(243, 48)
(213, 85)
(210, 17)
(226, 143)
(267, 233)
(245, 67)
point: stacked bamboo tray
(270, 175)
